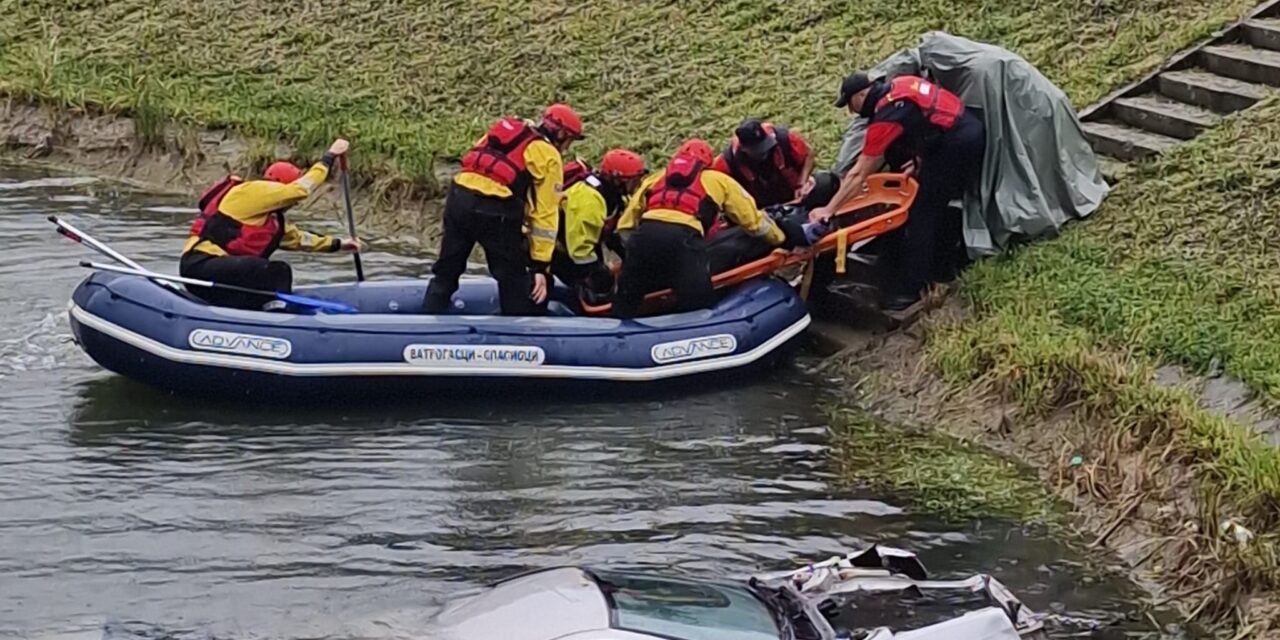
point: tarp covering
(1039, 170)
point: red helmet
(282, 171)
(622, 164)
(561, 118)
(575, 171)
(698, 149)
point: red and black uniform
(914, 119)
(775, 178)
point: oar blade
(323, 306)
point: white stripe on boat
(338, 369)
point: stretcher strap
(842, 252)
(806, 281)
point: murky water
(125, 510)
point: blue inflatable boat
(169, 340)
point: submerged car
(591, 603)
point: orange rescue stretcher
(881, 208)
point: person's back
(666, 248)
(510, 181)
(240, 226)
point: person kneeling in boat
(511, 179)
(590, 209)
(242, 223)
(666, 221)
(771, 162)
(913, 118)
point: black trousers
(241, 271)
(662, 255)
(919, 251)
(592, 282)
(495, 224)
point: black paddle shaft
(351, 217)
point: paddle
(351, 218)
(80, 237)
(327, 306)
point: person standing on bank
(911, 117)
(242, 223)
(771, 162)
(510, 181)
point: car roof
(543, 605)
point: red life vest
(233, 236)
(773, 186)
(500, 156)
(680, 189)
(939, 106)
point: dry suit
(665, 223)
(241, 223)
(507, 200)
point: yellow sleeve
(543, 213)
(584, 214)
(252, 201)
(630, 217)
(296, 239)
(739, 207)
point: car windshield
(685, 610)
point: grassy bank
(953, 479)
(412, 82)
(1182, 266)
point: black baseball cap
(754, 139)
(857, 81)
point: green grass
(410, 82)
(938, 474)
(1182, 265)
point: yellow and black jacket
(542, 208)
(722, 191)
(250, 219)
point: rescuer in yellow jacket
(592, 203)
(507, 199)
(242, 223)
(665, 222)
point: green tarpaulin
(1039, 170)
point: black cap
(754, 139)
(857, 81)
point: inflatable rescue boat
(168, 339)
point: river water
(126, 513)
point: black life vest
(500, 156)
(939, 106)
(680, 189)
(779, 178)
(233, 236)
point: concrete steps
(1230, 72)
(1263, 33)
(1210, 91)
(1127, 143)
(1243, 62)
(1158, 114)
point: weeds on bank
(941, 475)
(414, 82)
(1182, 266)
